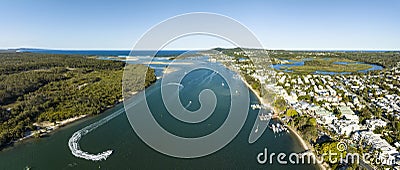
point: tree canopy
(44, 87)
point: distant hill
(8, 50)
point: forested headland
(47, 87)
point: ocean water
(108, 52)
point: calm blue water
(341, 62)
(373, 68)
(108, 52)
(142, 56)
(293, 63)
(130, 152)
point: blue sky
(279, 24)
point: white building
(372, 124)
(346, 127)
(388, 152)
(327, 119)
(348, 114)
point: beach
(46, 127)
(305, 146)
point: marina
(278, 128)
(260, 125)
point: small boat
(274, 128)
(278, 127)
(190, 102)
(256, 129)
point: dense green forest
(42, 87)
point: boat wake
(177, 84)
(190, 103)
(73, 142)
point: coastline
(254, 91)
(45, 130)
(303, 143)
(305, 146)
(48, 130)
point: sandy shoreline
(254, 91)
(46, 128)
(299, 138)
(306, 146)
(303, 143)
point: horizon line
(199, 49)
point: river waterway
(130, 152)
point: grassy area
(329, 65)
(331, 68)
(337, 60)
